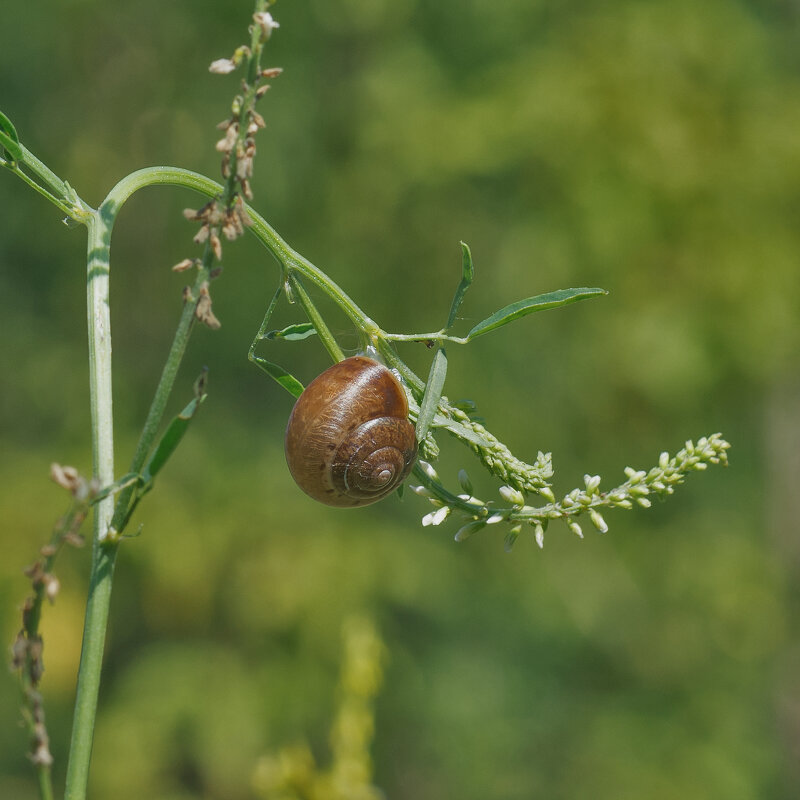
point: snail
(349, 441)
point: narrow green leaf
(171, 439)
(458, 430)
(292, 333)
(522, 308)
(10, 146)
(433, 393)
(279, 375)
(467, 274)
(7, 127)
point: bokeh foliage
(649, 148)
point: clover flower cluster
(637, 490)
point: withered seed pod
(349, 441)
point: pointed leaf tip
(530, 305)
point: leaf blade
(291, 333)
(171, 439)
(433, 393)
(530, 305)
(467, 276)
(279, 375)
(10, 146)
(7, 127)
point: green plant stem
(45, 784)
(289, 259)
(324, 333)
(147, 438)
(104, 551)
(285, 255)
(94, 633)
(438, 336)
(50, 186)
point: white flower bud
(592, 482)
(511, 537)
(634, 475)
(538, 533)
(575, 528)
(663, 460)
(495, 518)
(428, 470)
(598, 521)
(467, 530)
(643, 502)
(512, 495)
(547, 493)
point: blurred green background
(652, 148)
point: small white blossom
(436, 517)
(222, 66)
(265, 21)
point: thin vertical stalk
(104, 551)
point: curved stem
(263, 231)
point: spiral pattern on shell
(348, 440)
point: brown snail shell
(348, 440)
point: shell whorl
(349, 441)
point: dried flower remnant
(203, 310)
(28, 648)
(267, 24)
(226, 215)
